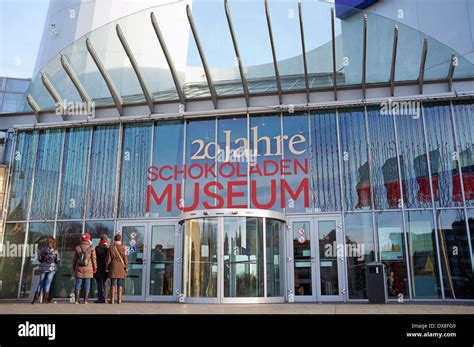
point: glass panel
(17, 85)
(103, 163)
(97, 228)
(217, 45)
(200, 250)
(327, 194)
(297, 151)
(318, 42)
(443, 163)
(464, 116)
(10, 265)
(359, 252)
(392, 252)
(233, 161)
(243, 257)
(250, 26)
(22, 173)
(423, 255)
(133, 238)
(455, 255)
(76, 151)
(200, 153)
(287, 39)
(162, 259)
(328, 258)
(413, 162)
(135, 162)
(275, 257)
(385, 179)
(302, 257)
(47, 175)
(38, 233)
(167, 158)
(355, 163)
(470, 219)
(68, 236)
(264, 134)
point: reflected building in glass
(255, 157)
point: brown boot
(45, 298)
(86, 297)
(78, 297)
(37, 294)
(120, 295)
(112, 294)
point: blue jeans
(87, 283)
(117, 282)
(45, 281)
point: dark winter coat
(49, 259)
(101, 253)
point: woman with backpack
(84, 266)
(49, 260)
(117, 266)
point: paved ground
(175, 308)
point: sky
(21, 27)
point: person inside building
(84, 266)
(159, 259)
(117, 267)
(49, 260)
(101, 273)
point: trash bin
(376, 283)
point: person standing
(49, 260)
(84, 266)
(101, 273)
(117, 266)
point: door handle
(289, 258)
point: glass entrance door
(316, 261)
(153, 251)
(233, 259)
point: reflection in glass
(470, 219)
(413, 161)
(11, 265)
(38, 233)
(455, 255)
(200, 268)
(444, 168)
(243, 257)
(359, 252)
(68, 236)
(355, 163)
(135, 162)
(385, 179)
(297, 147)
(133, 238)
(275, 254)
(103, 163)
(263, 130)
(162, 260)
(302, 257)
(392, 251)
(22, 173)
(48, 159)
(76, 151)
(200, 151)
(327, 194)
(233, 149)
(167, 150)
(97, 228)
(423, 255)
(464, 116)
(328, 267)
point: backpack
(83, 261)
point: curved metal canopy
(214, 50)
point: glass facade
(402, 185)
